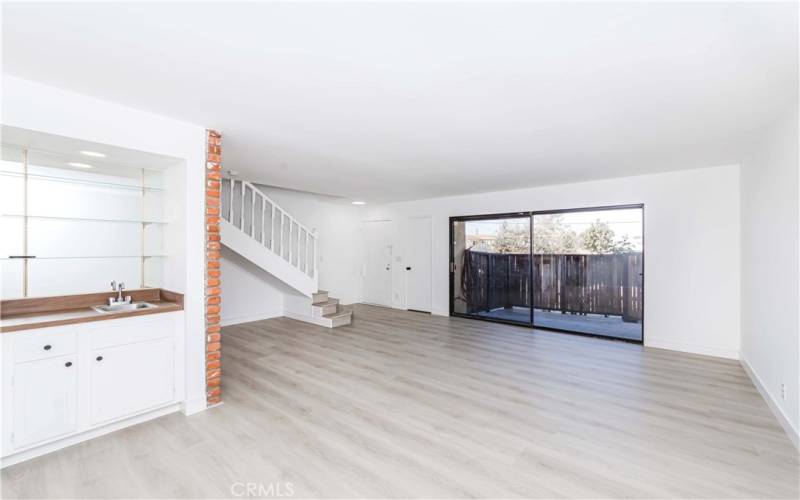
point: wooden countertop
(27, 314)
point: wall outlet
(783, 392)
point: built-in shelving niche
(68, 229)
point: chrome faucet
(119, 300)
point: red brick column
(213, 299)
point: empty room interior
(399, 250)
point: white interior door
(377, 287)
(418, 265)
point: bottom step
(341, 318)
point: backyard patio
(596, 294)
(592, 324)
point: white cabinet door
(45, 400)
(129, 379)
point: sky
(623, 221)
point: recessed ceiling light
(93, 154)
(359, 203)
(78, 164)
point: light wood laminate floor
(403, 404)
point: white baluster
(272, 227)
(241, 214)
(300, 248)
(252, 213)
(230, 204)
(282, 216)
(305, 253)
(291, 244)
(316, 256)
(263, 217)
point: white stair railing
(251, 211)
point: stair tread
(330, 302)
(338, 314)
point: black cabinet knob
(408, 268)
(99, 358)
(68, 364)
(48, 347)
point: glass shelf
(88, 219)
(70, 180)
(85, 257)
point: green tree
(624, 245)
(598, 238)
(511, 239)
(552, 236)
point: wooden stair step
(338, 314)
(330, 302)
(319, 296)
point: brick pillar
(213, 299)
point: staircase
(255, 227)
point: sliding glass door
(491, 267)
(588, 271)
(579, 271)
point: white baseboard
(249, 319)
(440, 312)
(691, 348)
(773, 405)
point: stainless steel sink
(123, 307)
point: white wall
(770, 259)
(37, 107)
(691, 247)
(248, 292)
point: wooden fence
(582, 284)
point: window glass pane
(587, 268)
(492, 268)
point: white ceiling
(395, 101)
